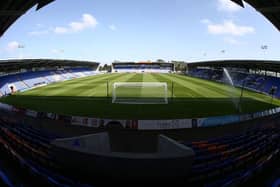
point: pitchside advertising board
(141, 124)
(173, 123)
(99, 123)
(89, 122)
(164, 124)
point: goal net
(140, 93)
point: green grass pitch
(192, 98)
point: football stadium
(152, 95)
(69, 122)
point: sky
(125, 30)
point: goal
(140, 93)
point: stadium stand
(254, 82)
(154, 67)
(233, 159)
(16, 80)
(228, 160)
(29, 148)
(24, 81)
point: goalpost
(140, 93)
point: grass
(192, 98)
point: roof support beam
(11, 12)
(42, 3)
(239, 2)
(273, 9)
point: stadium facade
(148, 67)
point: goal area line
(140, 93)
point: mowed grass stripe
(77, 92)
(139, 91)
(158, 78)
(90, 101)
(179, 88)
(229, 91)
(71, 87)
(58, 85)
(136, 78)
(128, 77)
(82, 79)
(182, 88)
(211, 88)
(101, 89)
(91, 84)
(92, 79)
(152, 92)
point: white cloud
(12, 46)
(112, 27)
(228, 6)
(228, 27)
(87, 21)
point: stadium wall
(62, 127)
(142, 125)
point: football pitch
(188, 97)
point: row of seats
(233, 159)
(27, 80)
(259, 83)
(221, 161)
(6, 181)
(31, 149)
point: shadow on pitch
(183, 107)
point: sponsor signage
(164, 124)
(143, 124)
